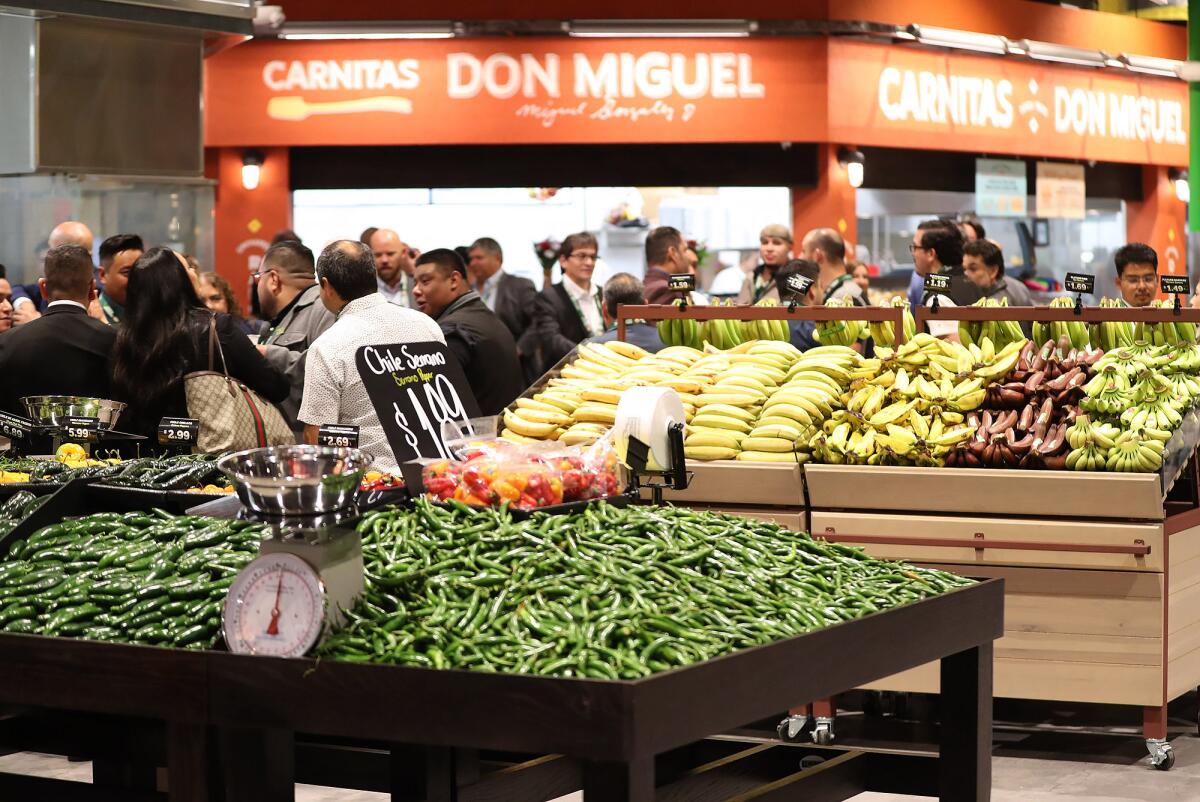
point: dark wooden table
(254, 706)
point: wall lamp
(252, 161)
(852, 160)
(1179, 177)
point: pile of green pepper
(615, 593)
(138, 577)
(17, 508)
(169, 473)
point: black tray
(123, 499)
(38, 489)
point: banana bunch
(721, 334)
(1164, 333)
(766, 329)
(882, 332)
(840, 332)
(1112, 335)
(1109, 391)
(1001, 333)
(680, 332)
(1134, 454)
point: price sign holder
(1080, 283)
(15, 427)
(415, 388)
(799, 285)
(938, 284)
(1175, 285)
(178, 432)
(683, 283)
(80, 429)
(335, 436)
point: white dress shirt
(333, 390)
(397, 295)
(588, 302)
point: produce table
(615, 727)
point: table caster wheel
(791, 729)
(822, 733)
(1162, 755)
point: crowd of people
(133, 326)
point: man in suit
(571, 311)
(511, 297)
(64, 351)
(475, 335)
(624, 288)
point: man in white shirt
(394, 262)
(333, 388)
(569, 312)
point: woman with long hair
(165, 335)
(217, 295)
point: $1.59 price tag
(1080, 282)
(799, 284)
(178, 431)
(14, 427)
(681, 282)
(1175, 285)
(937, 283)
(337, 436)
(81, 429)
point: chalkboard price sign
(681, 282)
(1080, 282)
(938, 283)
(1175, 285)
(14, 427)
(415, 388)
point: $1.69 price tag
(178, 431)
(1080, 282)
(81, 429)
(337, 436)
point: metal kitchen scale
(307, 573)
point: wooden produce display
(1102, 578)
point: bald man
(394, 263)
(27, 298)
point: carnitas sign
(906, 97)
(529, 90)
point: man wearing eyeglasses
(290, 299)
(570, 311)
(1137, 273)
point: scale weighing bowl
(295, 481)
(53, 410)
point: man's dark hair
(581, 239)
(368, 232)
(292, 259)
(445, 260)
(286, 235)
(118, 243)
(831, 243)
(3, 271)
(796, 267)
(68, 272)
(989, 252)
(1135, 253)
(349, 268)
(622, 288)
(977, 227)
(944, 239)
(488, 245)
(659, 241)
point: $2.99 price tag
(81, 429)
(178, 431)
(337, 436)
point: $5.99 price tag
(178, 431)
(337, 436)
(81, 429)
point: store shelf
(732, 482)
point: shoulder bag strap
(214, 345)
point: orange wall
(831, 204)
(1159, 221)
(246, 220)
(1017, 19)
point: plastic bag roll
(647, 413)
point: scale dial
(275, 607)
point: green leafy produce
(610, 593)
(137, 577)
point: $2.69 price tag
(178, 431)
(337, 436)
(81, 429)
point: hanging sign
(681, 282)
(937, 283)
(415, 388)
(1000, 188)
(1080, 282)
(1175, 285)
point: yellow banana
(705, 420)
(627, 350)
(513, 437)
(526, 427)
(709, 453)
(593, 411)
(721, 438)
(768, 444)
(601, 394)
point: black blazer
(64, 352)
(559, 324)
(487, 352)
(244, 361)
(516, 299)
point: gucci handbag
(232, 416)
